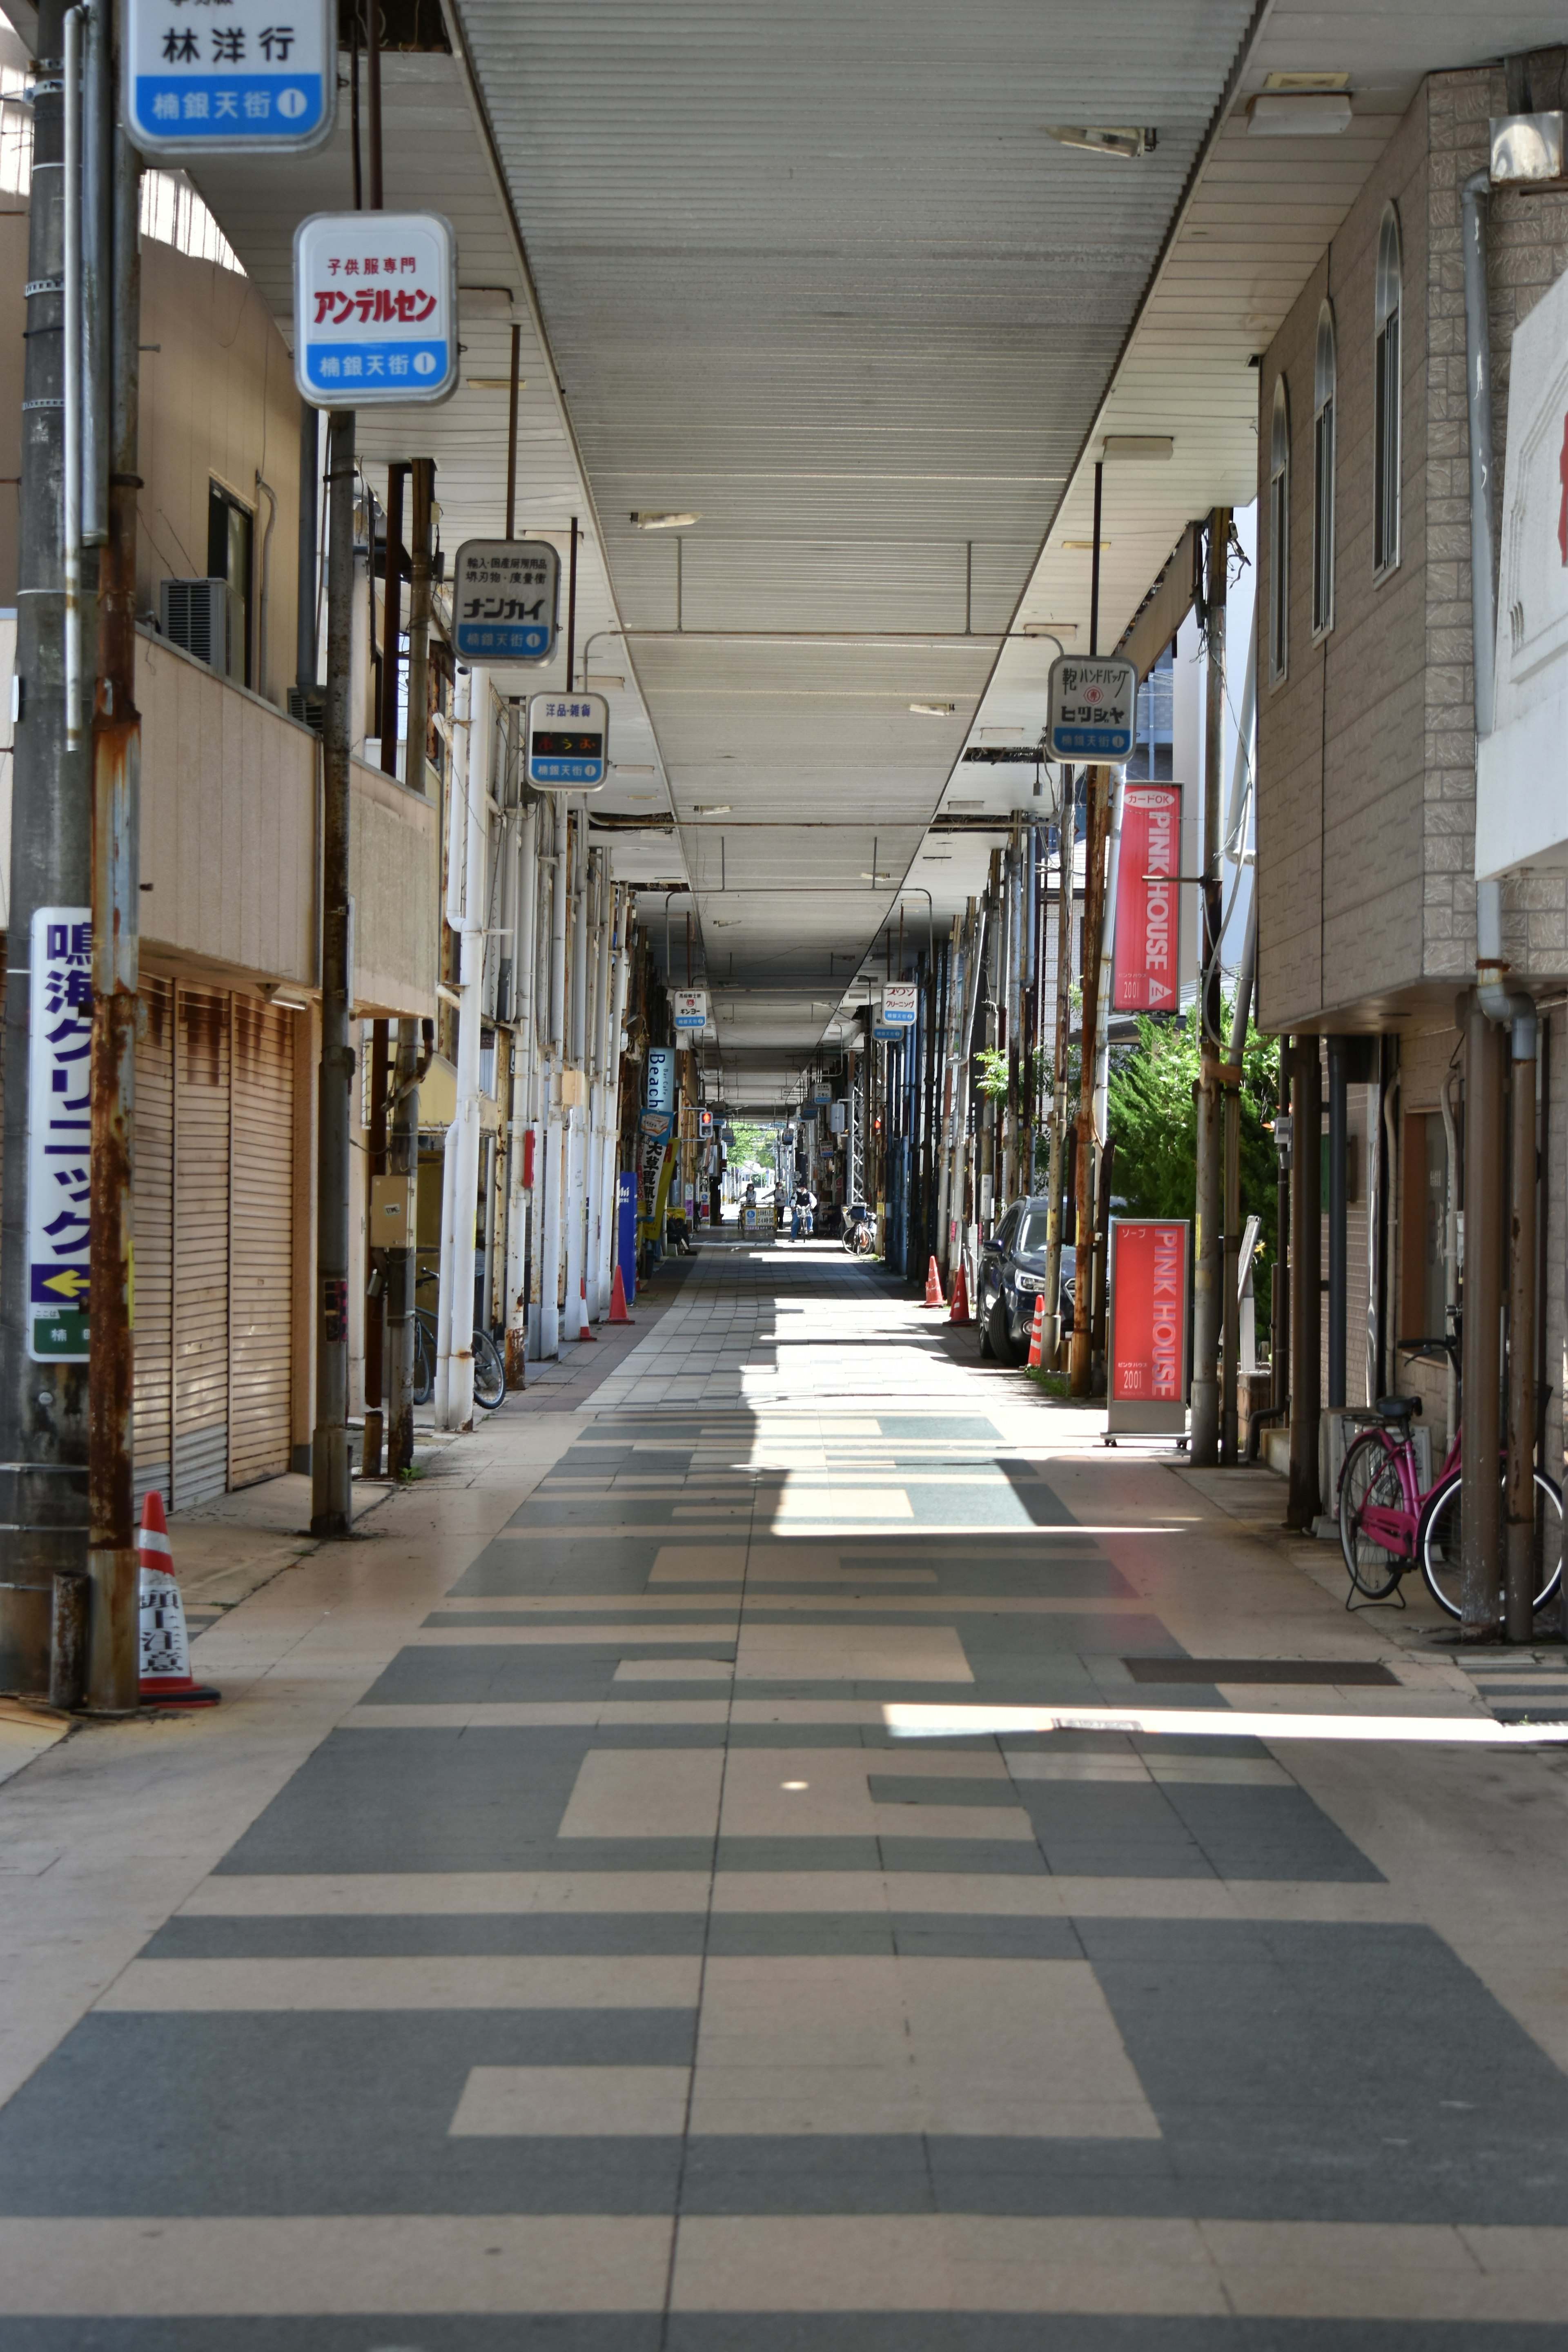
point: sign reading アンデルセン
(1148, 1324)
(1148, 900)
(59, 1134)
(245, 74)
(375, 309)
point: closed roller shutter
(202, 1117)
(261, 1256)
(154, 1296)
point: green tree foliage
(1153, 1123)
(753, 1146)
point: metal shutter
(154, 1296)
(202, 1118)
(261, 1257)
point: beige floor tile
(850, 1653)
(1005, 2048)
(536, 1715)
(826, 1793)
(489, 1637)
(626, 1792)
(491, 1981)
(698, 1564)
(277, 2266)
(573, 2103)
(1008, 1896)
(674, 1670)
(832, 1505)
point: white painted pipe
(524, 948)
(550, 1174)
(472, 735)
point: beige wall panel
(392, 878)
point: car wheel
(999, 1333)
(984, 1320)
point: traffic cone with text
(164, 1650)
(585, 1330)
(958, 1311)
(1037, 1335)
(933, 1297)
(618, 1299)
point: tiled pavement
(549, 1948)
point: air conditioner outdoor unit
(206, 618)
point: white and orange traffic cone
(164, 1677)
(1037, 1335)
(958, 1311)
(585, 1330)
(618, 1299)
(933, 1297)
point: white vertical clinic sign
(59, 1133)
(375, 309)
(258, 76)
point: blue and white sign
(888, 1033)
(691, 1013)
(568, 742)
(1094, 700)
(900, 998)
(375, 309)
(503, 600)
(59, 1134)
(661, 1078)
(258, 76)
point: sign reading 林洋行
(1093, 704)
(245, 75)
(375, 309)
(59, 1134)
(504, 600)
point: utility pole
(412, 1061)
(1098, 835)
(113, 1653)
(331, 1500)
(43, 1405)
(1208, 1261)
(1067, 842)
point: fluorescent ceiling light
(1140, 444)
(1310, 81)
(603, 685)
(933, 709)
(493, 382)
(1083, 543)
(1310, 114)
(998, 735)
(622, 769)
(1050, 628)
(961, 808)
(876, 878)
(646, 519)
(710, 808)
(1104, 139)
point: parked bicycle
(1389, 1523)
(860, 1235)
(489, 1372)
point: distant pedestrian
(715, 1202)
(804, 1201)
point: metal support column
(1481, 1498)
(1096, 841)
(1306, 1283)
(1520, 1580)
(1338, 1219)
(1208, 1261)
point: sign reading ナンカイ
(503, 600)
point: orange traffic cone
(584, 1330)
(1037, 1335)
(618, 1299)
(164, 1677)
(933, 1297)
(958, 1311)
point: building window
(1280, 537)
(1323, 476)
(1385, 397)
(229, 530)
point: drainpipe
(470, 834)
(1339, 1212)
(1483, 1527)
(550, 1254)
(524, 948)
(1230, 1303)
(1306, 1285)
(1450, 1249)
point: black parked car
(1012, 1276)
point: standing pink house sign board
(1148, 1336)
(1148, 900)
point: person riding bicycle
(804, 1201)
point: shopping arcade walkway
(604, 1978)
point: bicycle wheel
(1442, 1550)
(489, 1372)
(1371, 1475)
(424, 1361)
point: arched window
(1385, 395)
(1280, 536)
(1323, 475)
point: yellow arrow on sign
(70, 1283)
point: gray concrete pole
(1521, 1580)
(1208, 1257)
(1480, 1503)
(43, 1406)
(1306, 1283)
(1339, 1220)
(331, 1501)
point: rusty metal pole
(1208, 1258)
(403, 1125)
(1480, 1503)
(111, 1658)
(1521, 1581)
(1097, 837)
(1306, 1283)
(332, 1498)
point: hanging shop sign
(1148, 1276)
(199, 82)
(504, 594)
(375, 309)
(59, 1134)
(690, 1008)
(1148, 900)
(568, 742)
(1093, 704)
(900, 998)
(887, 1032)
(660, 1072)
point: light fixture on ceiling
(1143, 445)
(1084, 546)
(876, 878)
(1298, 114)
(1049, 629)
(603, 685)
(1295, 81)
(710, 808)
(933, 709)
(622, 769)
(1000, 735)
(649, 519)
(965, 808)
(494, 383)
(1119, 139)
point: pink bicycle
(1389, 1523)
